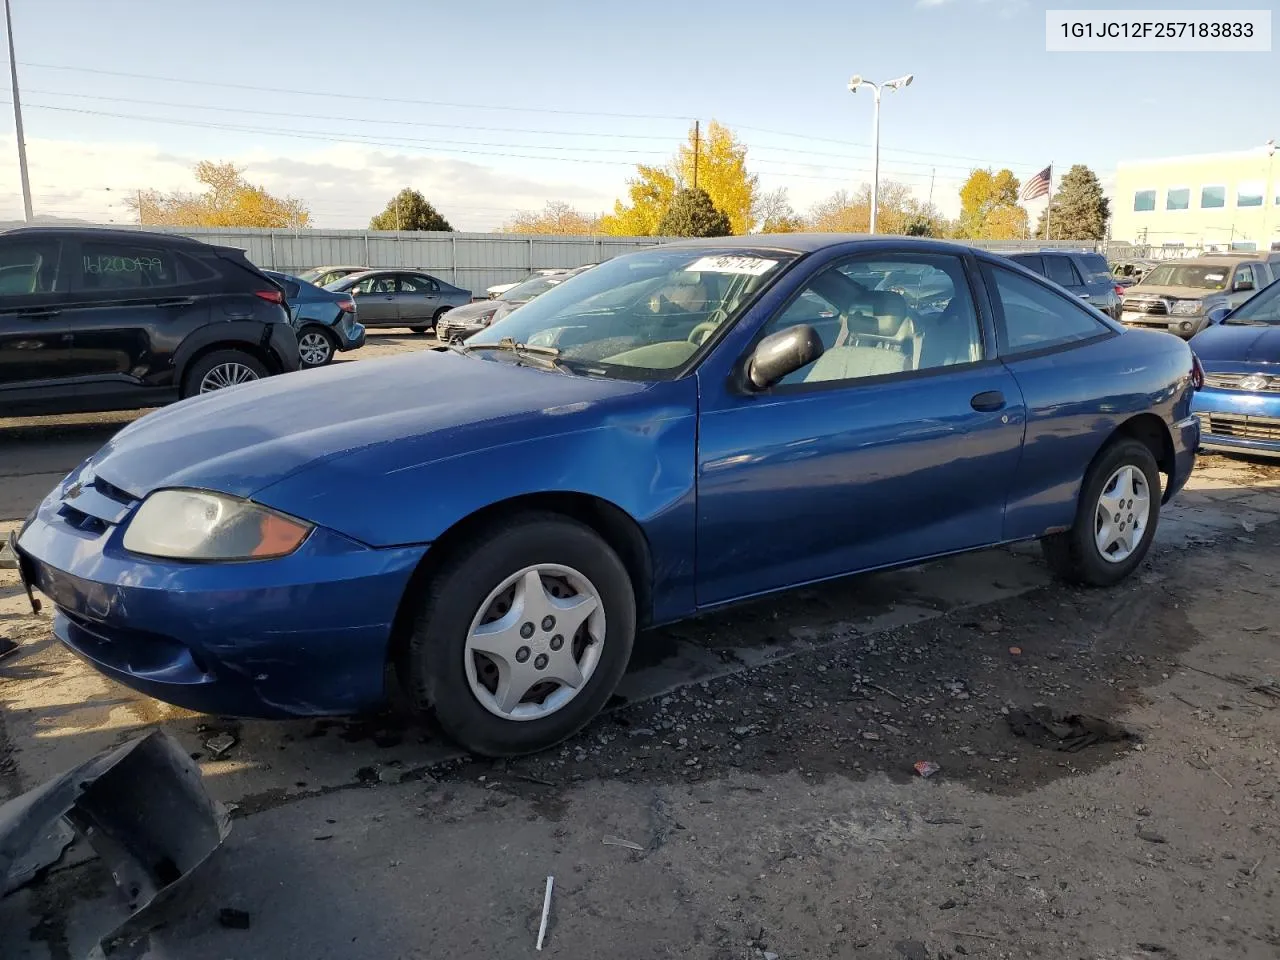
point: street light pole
(17, 115)
(854, 84)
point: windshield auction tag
(750, 266)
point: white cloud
(932, 3)
(344, 185)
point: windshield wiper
(524, 351)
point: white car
(498, 289)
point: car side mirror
(782, 353)
(1217, 314)
(1243, 285)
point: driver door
(895, 445)
(376, 299)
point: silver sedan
(401, 298)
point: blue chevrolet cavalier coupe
(489, 525)
(1239, 408)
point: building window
(1144, 200)
(1178, 198)
(1210, 197)
(1249, 193)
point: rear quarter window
(1033, 317)
(110, 266)
(1094, 266)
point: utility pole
(932, 173)
(1048, 211)
(17, 116)
(697, 142)
(139, 206)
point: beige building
(1210, 201)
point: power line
(354, 96)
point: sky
(490, 107)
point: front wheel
(1115, 518)
(418, 329)
(523, 636)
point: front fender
(639, 458)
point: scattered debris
(1151, 836)
(7, 647)
(926, 768)
(142, 807)
(619, 842)
(546, 911)
(219, 744)
(1070, 732)
(234, 919)
(1016, 651)
(876, 686)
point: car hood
(1237, 343)
(1179, 293)
(243, 439)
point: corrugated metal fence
(473, 261)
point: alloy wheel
(226, 375)
(314, 348)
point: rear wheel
(220, 369)
(523, 636)
(1115, 520)
(419, 329)
(316, 346)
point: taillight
(349, 305)
(1197, 372)
(1119, 290)
(271, 296)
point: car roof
(101, 233)
(340, 266)
(1214, 260)
(802, 243)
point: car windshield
(530, 288)
(1262, 310)
(643, 315)
(1202, 276)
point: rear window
(1061, 271)
(1032, 261)
(1095, 267)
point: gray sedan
(401, 298)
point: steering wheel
(700, 332)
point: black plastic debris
(1069, 732)
(142, 807)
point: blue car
(326, 321)
(489, 524)
(1239, 407)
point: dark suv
(1086, 275)
(96, 319)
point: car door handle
(175, 302)
(987, 401)
(1083, 296)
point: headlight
(199, 525)
(1187, 308)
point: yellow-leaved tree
(229, 200)
(557, 217)
(721, 172)
(989, 207)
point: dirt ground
(1106, 781)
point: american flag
(1038, 186)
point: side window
(1062, 271)
(375, 285)
(1033, 262)
(413, 284)
(1036, 317)
(1244, 278)
(29, 267)
(887, 316)
(292, 289)
(114, 266)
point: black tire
(435, 320)
(329, 338)
(197, 372)
(419, 329)
(1074, 555)
(435, 666)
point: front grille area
(1234, 381)
(1240, 426)
(1153, 307)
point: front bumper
(1235, 420)
(1184, 327)
(302, 635)
(446, 331)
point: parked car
(1179, 295)
(498, 289)
(95, 319)
(1084, 274)
(1130, 271)
(1239, 407)
(326, 322)
(401, 298)
(680, 428)
(461, 322)
(323, 276)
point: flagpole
(1048, 213)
